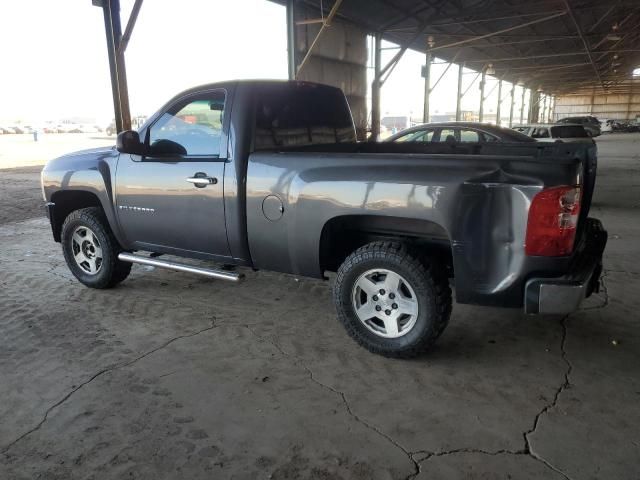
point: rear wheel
(390, 301)
(90, 249)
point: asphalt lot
(173, 376)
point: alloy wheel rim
(385, 303)
(87, 251)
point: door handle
(201, 180)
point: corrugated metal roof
(560, 46)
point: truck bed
(473, 196)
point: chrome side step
(206, 272)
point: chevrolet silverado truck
(269, 175)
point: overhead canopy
(558, 46)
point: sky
(55, 65)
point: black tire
(427, 279)
(111, 271)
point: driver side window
(194, 129)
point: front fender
(91, 171)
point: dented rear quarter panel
(481, 201)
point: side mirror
(129, 142)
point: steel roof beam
(126, 36)
(551, 55)
(487, 35)
(326, 23)
(584, 41)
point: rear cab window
(301, 114)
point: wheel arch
(63, 202)
(344, 234)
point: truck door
(171, 199)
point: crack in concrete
(524, 452)
(99, 374)
(456, 451)
(345, 402)
(549, 406)
(527, 450)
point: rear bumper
(562, 295)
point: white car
(606, 125)
(552, 133)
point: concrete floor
(172, 376)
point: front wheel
(391, 302)
(91, 250)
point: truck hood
(82, 159)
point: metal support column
(483, 81)
(522, 106)
(123, 89)
(459, 96)
(113, 31)
(513, 91)
(291, 40)
(534, 107)
(544, 110)
(111, 51)
(375, 88)
(499, 102)
(427, 87)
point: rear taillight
(552, 223)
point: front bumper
(563, 295)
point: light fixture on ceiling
(614, 38)
(490, 70)
(539, 89)
(430, 41)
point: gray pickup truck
(269, 175)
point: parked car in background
(88, 129)
(458, 132)
(396, 123)
(552, 133)
(590, 123)
(111, 128)
(606, 125)
(626, 127)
